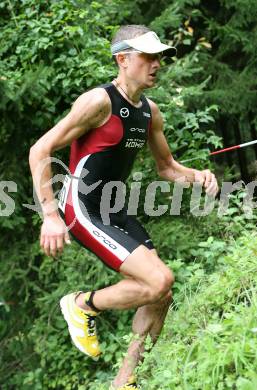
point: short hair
(128, 31)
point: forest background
(51, 52)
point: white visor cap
(146, 43)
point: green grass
(210, 335)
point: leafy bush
(209, 339)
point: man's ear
(121, 60)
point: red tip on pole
(225, 150)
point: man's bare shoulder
(93, 106)
(152, 105)
(96, 96)
(156, 114)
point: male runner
(106, 127)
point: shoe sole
(63, 306)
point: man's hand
(208, 180)
(53, 235)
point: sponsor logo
(124, 112)
(107, 242)
(134, 144)
(137, 129)
(147, 114)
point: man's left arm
(167, 167)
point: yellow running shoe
(81, 324)
(131, 384)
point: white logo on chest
(137, 129)
(146, 114)
(124, 112)
(134, 143)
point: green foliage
(51, 53)
(209, 342)
(223, 35)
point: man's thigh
(143, 264)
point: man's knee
(166, 298)
(167, 281)
(161, 285)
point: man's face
(142, 68)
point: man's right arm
(90, 110)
